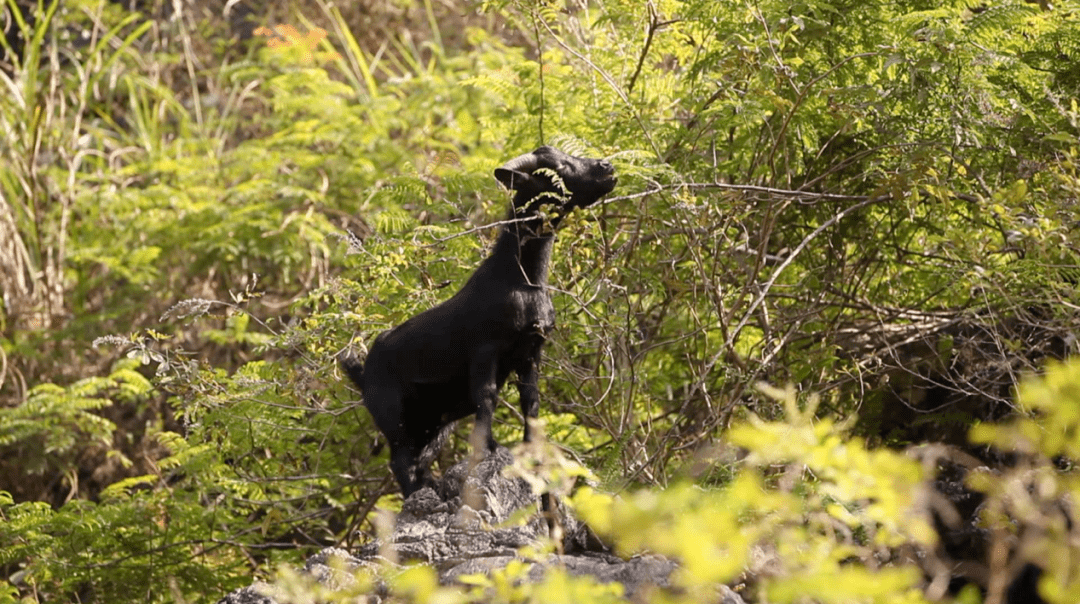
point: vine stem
(540, 62)
(655, 24)
(733, 334)
(787, 262)
(611, 82)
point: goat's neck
(524, 247)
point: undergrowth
(870, 202)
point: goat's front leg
(529, 393)
(484, 392)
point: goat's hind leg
(529, 395)
(383, 399)
(404, 463)
(411, 454)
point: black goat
(451, 361)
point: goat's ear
(512, 179)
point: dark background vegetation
(875, 203)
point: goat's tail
(354, 368)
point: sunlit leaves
(1029, 500)
(875, 485)
(775, 115)
(827, 481)
(1055, 399)
(56, 425)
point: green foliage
(814, 508)
(792, 177)
(813, 512)
(56, 426)
(826, 512)
(1028, 510)
(130, 547)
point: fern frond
(393, 220)
(919, 18)
(987, 24)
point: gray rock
(462, 529)
(249, 595)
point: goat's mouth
(598, 191)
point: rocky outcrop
(462, 530)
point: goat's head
(548, 176)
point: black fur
(451, 361)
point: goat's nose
(606, 165)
